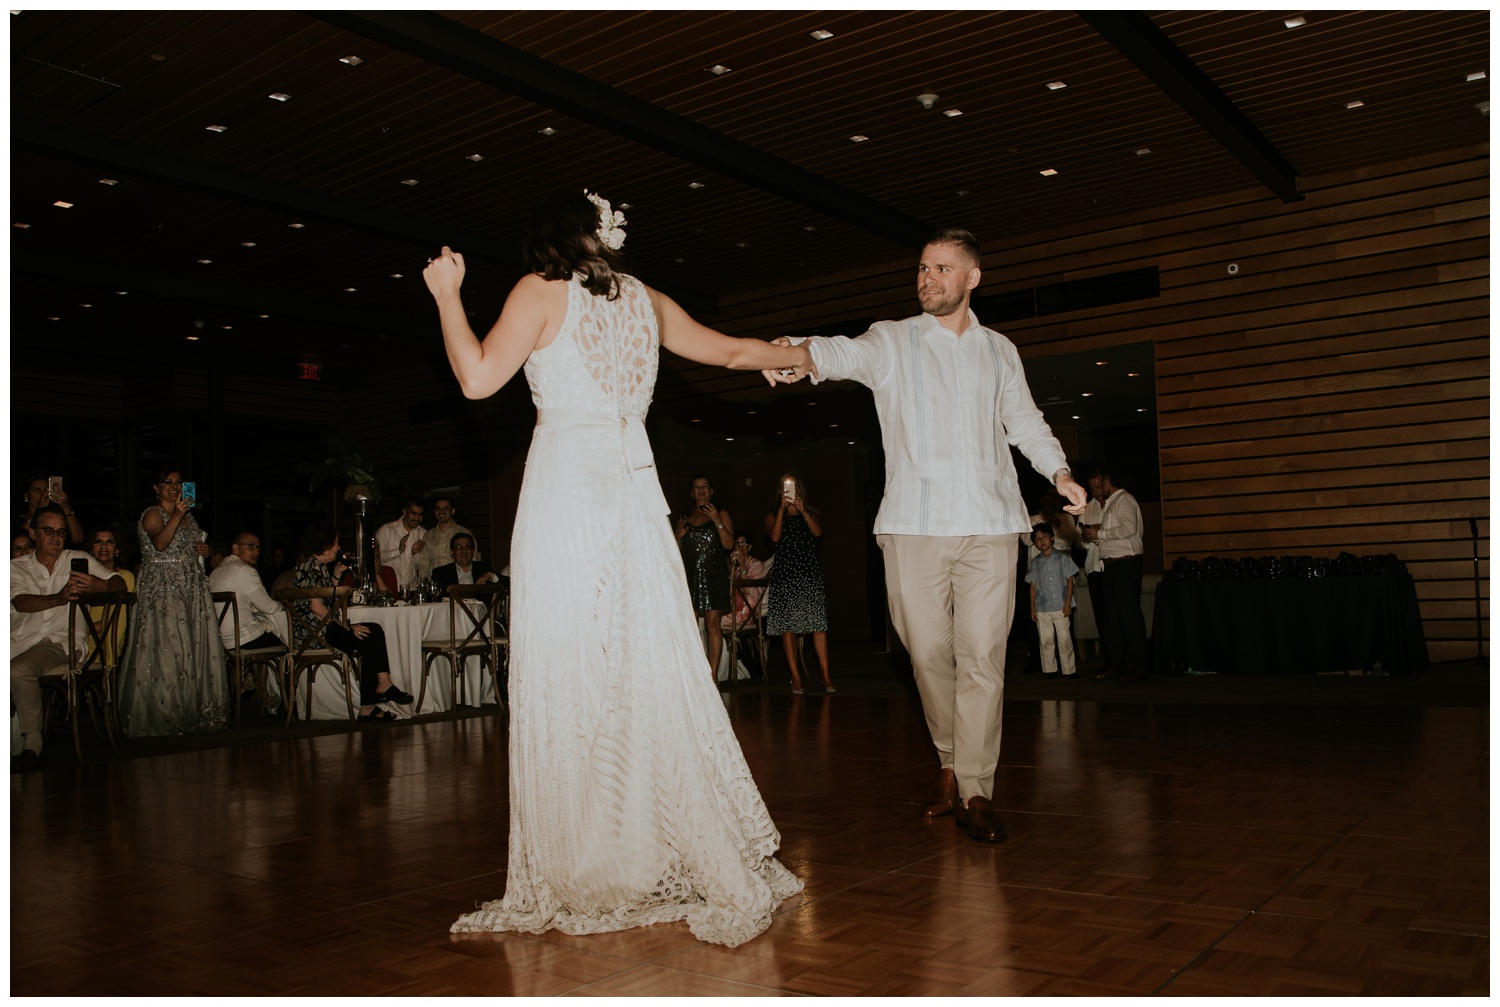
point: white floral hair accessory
(611, 222)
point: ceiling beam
(1169, 68)
(446, 43)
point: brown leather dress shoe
(943, 797)
(979, 819)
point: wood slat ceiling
(157, 80)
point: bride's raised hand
(444, 274)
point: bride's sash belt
(635, 448)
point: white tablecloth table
(406, 627)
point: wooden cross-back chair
(475, 629)
(258, 661)
(313, 651)
(93, 663)
(751, 627)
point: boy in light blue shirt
(1051, 580)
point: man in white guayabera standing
(952, 399)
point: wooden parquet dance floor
(1157, 847)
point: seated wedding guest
(274, 564)
(262, 622)
(401, 544)
(38, 492)
(21, 545)
(744, 567)
(42, 584)
(105, 545)
(217, 553)
(438, 550)
(465, 568)
(365, 640)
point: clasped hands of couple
(790, 375)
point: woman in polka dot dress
(796, 602)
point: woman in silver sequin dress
(175, 680)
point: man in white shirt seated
(464, 569)
(42, 584)
(401, 543)
(438, 551)
(952, 398)
(261, 617)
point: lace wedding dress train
(630, 800)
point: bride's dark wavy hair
(563, 239)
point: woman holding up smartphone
(797, 603)
(174, 680)
(705, 534)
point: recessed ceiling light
(718, 69)
(821, 34)
(1056, 85)
(1078, 417)
(63, 203)
(1356, 103)
(1088, 395)
(1142, 409)
(122, 293)
(216, 128)
(1133, 374)
(624, 206)
(205, 262)
(85, 305)
(296, 227)
(192, 339)
(1101, 363)
(812, 403)
(20, 225)
(833, 426)
(474, 157)
(695, 185)
(109, 181)
(859, 138)
(1142, 150)
(227, 328)
(350, 290)
(397, 276)
(351, 60)
(547, 131)
(729, 438)
(1479, 75)
(965, 192)
(805, 227)
(1295, 22)
(279, 96)
(742, 244)
(1049, 171)
(247, 244)
(679, 260)
(262, 316)
(952, 112)
(695, 421)
(53, 318)
(409, 181)
(749, 412)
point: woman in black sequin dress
(706, 534)
(797, 603)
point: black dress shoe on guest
(393, 695)
(978, 818)
(943, 797)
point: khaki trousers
(952, 600)
(26, 669)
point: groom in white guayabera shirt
(952, 399)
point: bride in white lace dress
(630, 800)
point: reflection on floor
(1158, 845)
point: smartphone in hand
(79, 565)
(190, 494)
(789, 488)
(54, 486)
